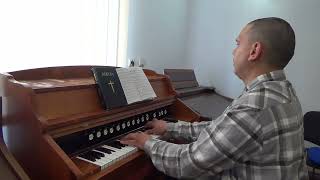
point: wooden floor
(209, 105)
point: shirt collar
(277, 75)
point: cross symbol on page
(111, 84)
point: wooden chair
(312, 134)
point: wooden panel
(57, 104)
(159, 89)
(25, 138)
(182, 112)
(185, 84)
(77, 123)
(63, 72)
(182, 78)
(180, 74)
(10, 168)
(135, 167)
(208, 105)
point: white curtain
(42, 33)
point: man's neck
(255, 73)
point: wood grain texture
(43, 104)
(10, 168)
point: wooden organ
(9, 168)
(55, 124)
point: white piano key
(93, 162)
(107, 159)
(117, 154)
(120, 152)
(129, 149)
(103, 162)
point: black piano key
(86, 156)
(98, 154)
(112, 144)
(95, 155)
(109, 149)
(119, 144)
(90, 156)
(105, 150)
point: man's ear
(255, 52)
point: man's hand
(137, 139)
(157, 127)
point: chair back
(312, 127)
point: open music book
(122, 86)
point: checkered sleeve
(228, 140)
(186, 130)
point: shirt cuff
(171, 127)
(149, 145)
(152, 141)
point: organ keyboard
(57, 129)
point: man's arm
(230, 140)
(186, 130)
(179, 129)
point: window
(42, 33)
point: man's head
(263, 45)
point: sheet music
(127, 81)
(142, 84)
(135, 84)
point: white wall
(214, 25)
(201, 34)
(157, 32)
(42, 33)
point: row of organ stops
(110, 152)
(126, 125)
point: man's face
(241, 53)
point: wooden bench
(185, 83)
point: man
(259, 136)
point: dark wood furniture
(208, 105)
(203, 100)
(9, 167)
(185, 83)
(50, 114)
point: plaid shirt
(258, 137)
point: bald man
(259, 136)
